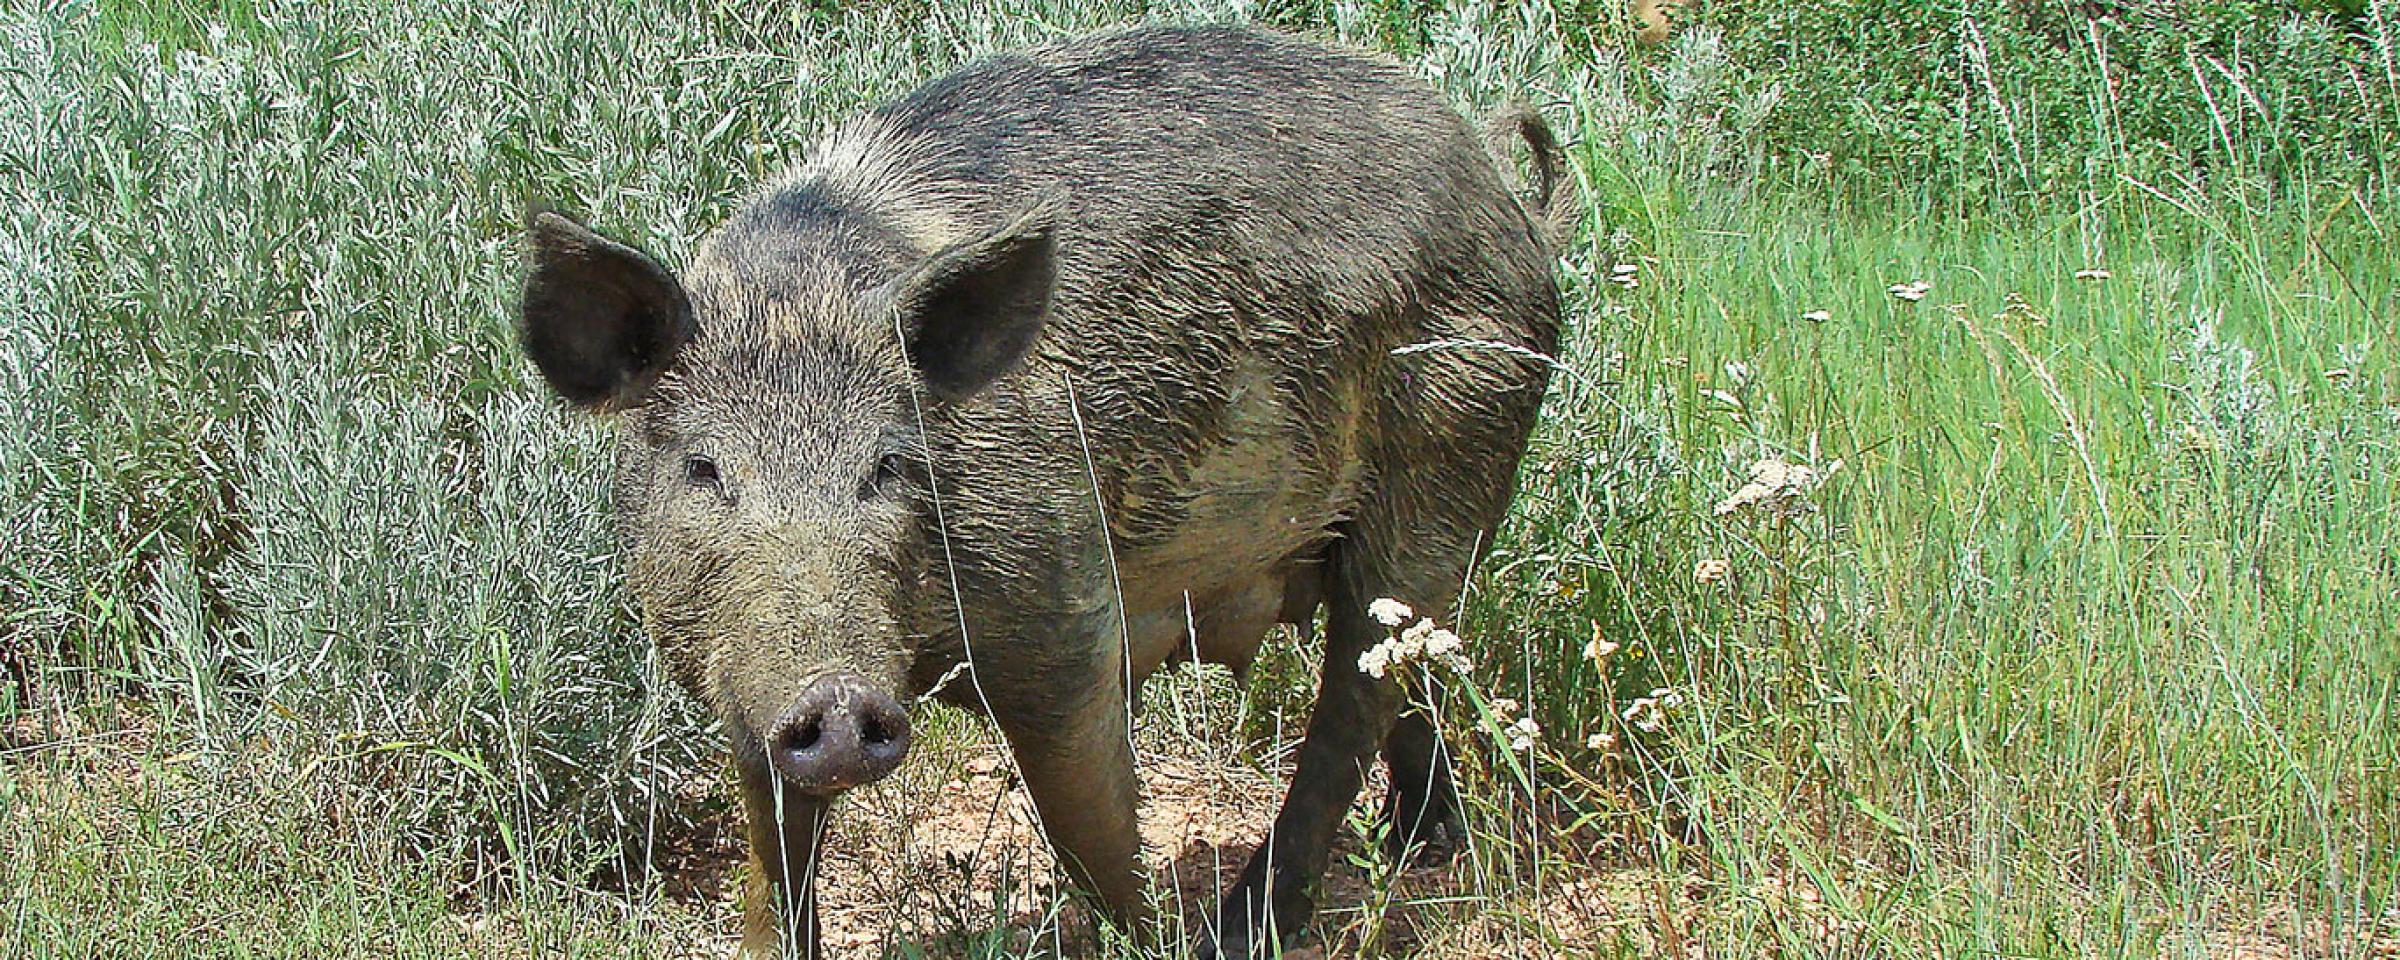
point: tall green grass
(2083, 644)
(2019, 100)
(2090, 616)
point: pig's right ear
(600, 319)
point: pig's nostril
(872, 732)
(803, 735)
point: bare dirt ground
(958, 867)
(947, 861)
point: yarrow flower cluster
(1648, 714)
(1711, 570)
(1523, 734)
(1423, 641)
(1911, 291)
(1775, 486)
(1598, 650)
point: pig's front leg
(786, 826)
(1073, 743)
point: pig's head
(774, 492)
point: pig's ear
(600, 319)
(971, 313)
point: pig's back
(1248, 225)
(1306, 180)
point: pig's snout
(841, 733)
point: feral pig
(1071, 363)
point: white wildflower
(1504, 707)
(1446, 648)
(1442, 642)
(1410, 645)
(1522, 734)
(1422, 640)
(1817, 316)
(1775, 486)
(1644, 715)
(1911, 291)
(2092, 275)
(1601, 741)
(1377, 660)
(1600, 650)
(1711, 570)
(1390, 612)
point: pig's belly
(1215, 588)
(1251, 507)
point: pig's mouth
(841, 732)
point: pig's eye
(702, 472)
(889, 469)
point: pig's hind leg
(1421, 801)
(1276, 894)
(1450, 432)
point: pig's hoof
(1419, 831)
(1246, 929)
(1430, 844)
(1231, 945)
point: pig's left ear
(602, 320)
(969, 314)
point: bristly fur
(1236, 232)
